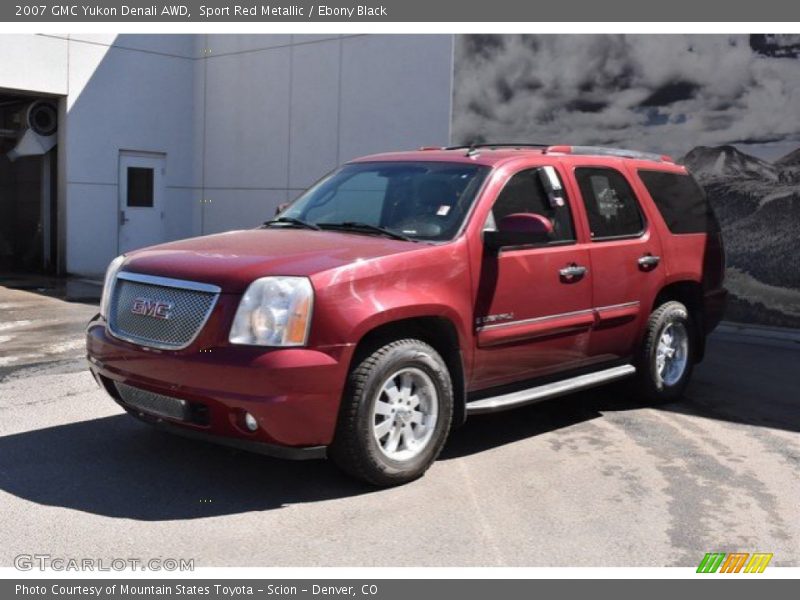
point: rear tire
(667, 355)
(395, 414)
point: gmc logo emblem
(151, 308)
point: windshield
(418, 200)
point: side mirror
(519, 229)
(281, 207)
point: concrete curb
(762, 332)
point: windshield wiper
(292, 221)
(367, 228)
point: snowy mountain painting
(758, 205)
(728, 107)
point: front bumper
(274, 450)
(293, 393)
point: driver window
(525, 193)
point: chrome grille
(150, 402)
(190, 305)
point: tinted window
(681, 201)
(360, 197)
(611, 205)
(525, 193)
(140, 187)
(425, 200)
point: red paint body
(363, 282)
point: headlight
(108, 284)
(274, 311)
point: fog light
(250, 421)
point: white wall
(33, 62)
(281, 111)
(131, 92)
(135, 94)
(246, 121)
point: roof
(495, 154)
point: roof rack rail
(496, 145)
(471, 148)
(604, 151)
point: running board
(548, 390)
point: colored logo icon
(735, 562)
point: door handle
(648, 262)
(122, 218)
(572, 273)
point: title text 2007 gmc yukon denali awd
(405, 291)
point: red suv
(405, 291)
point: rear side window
(611, 205)
(681, 201)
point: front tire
(395, 414)
(667, 354)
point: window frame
(567, 204)
(637, 202)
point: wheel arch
(690, 294)
(440, 333)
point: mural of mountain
(789, 166)
(726, 103)
(725, 162)
(790, 160)
(758, 206)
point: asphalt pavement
(593, 479)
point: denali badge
(151, 308)
(489, 319)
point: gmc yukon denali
(406, 291)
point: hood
(233, 259)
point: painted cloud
(650, 92)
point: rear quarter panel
(681, 255)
